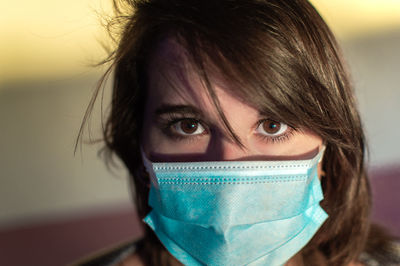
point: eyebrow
(182, 109)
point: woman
(226, 86)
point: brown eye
(270, 127)
(188, 127)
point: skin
(172, 83)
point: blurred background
(56, 207)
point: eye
(271, 128)
(188, 127)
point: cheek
(307, 141)
(302, 145)
(152, 140)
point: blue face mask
(235, 212)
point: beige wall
(375, 64)
(39, 175)
(45, 38)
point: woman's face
(181, 122)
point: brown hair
(285, 61)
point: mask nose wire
(152, 175)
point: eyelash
(276, 139)
(171, 119)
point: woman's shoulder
(125, 254)
(120, 254)
(389, 256)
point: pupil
(189, 126)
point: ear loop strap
(321, 153)
(149, 168)
(320, 160)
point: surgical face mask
(235, 212)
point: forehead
(173, 78)
(169, 72)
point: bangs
(278, 57)
(260, 70)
